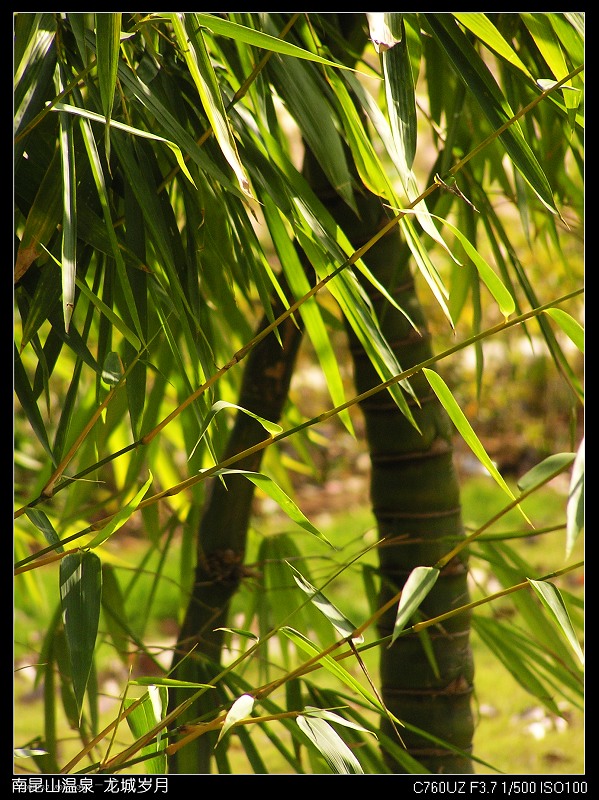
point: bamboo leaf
(400, 91)
(42, 219)
(241, 709)
(336, 670)
(108, 30)
(308, 103)
(458, 418)
(340, 622)
(270, 427)
(29, 405)
(478, 79)
(240, 33)
(504, 299)
(269, 487)
(569, 325)
(482, 27)
(544, 471)
(514, 658)
(311, 711)
(170, 682)
(124, 283)
(200, 67)
(81, 112)
(575, 506)
(43, 524)
(69, 218)
(121, 518)
(80, 594)
(336, 753)
(552, 600)
(418, 585)
(143, 718)
(310, 312)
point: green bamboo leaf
(169, 682)
(240, 632)
(575, 506)
(310, 312)
(42, 219)
(241, 709)
(504, 299)
(69, 218)
(354, 305)
(103, 308)
(458, 418)
(29, 405)
(418, 585)
(569, 325)
(121, 518)
(80, 595)
(308, 103)
(336, 670)
(98, 174)
(193, 48)
(570, 33)
(478, 79)
(143, 718)
(240, 33)
(311, 711)
(547, 469)
(410, 185)
(551, 598)
(43, 524)
(81, 112)
(400, 91)
(108, 31)
(42, 305)
(514, 658)
(336, 753)
(482, 27)
(270, 427)
(369, 167)
(541, 30)
(269, 487)
(342, 625)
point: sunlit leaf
(340, 622)
(311, 711)
(121, 126)
(336, 753)
(458, 418)
(143, 718)
(121, 517)
(569, 325)
(241, 709)
(274, 491)
(552, 600)
(271, 427)
(418, 585)
(336, 670)
(69, 218)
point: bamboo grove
(200, 200)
